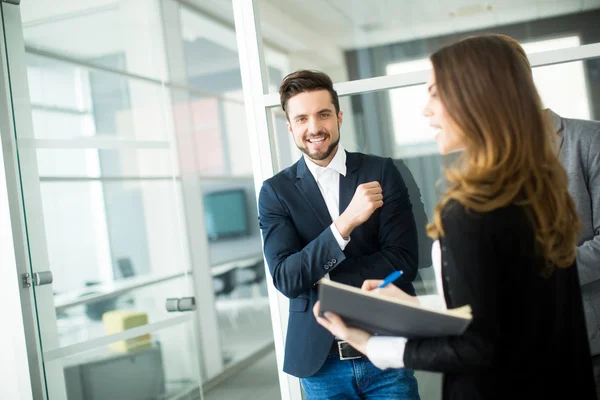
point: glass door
(103, 207)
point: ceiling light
(469, 11)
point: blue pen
(390, 278)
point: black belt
(344, 350)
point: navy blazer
(300, 248)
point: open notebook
(384, 315)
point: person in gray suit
(579, 144)
(579, 147)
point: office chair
(258, 270)
(228, 280)
(126, 267)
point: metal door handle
(181, 304)
(39, 279)
(42, 278)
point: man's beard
(318, 156)
(321, 156)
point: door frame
(27, 341)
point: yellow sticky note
(120, 320)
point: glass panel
(156, 365)
(238, 142)
(571, 95)
(211, 54)
(243, 313)
(239, 278)
(97, 31)
(73, 101)
(93, 227)
(201, 119)
(118, 156)
(357, 39)
(82, 322)
(106, 164)
(217, 126)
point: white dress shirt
(388, 352)
(328, 180)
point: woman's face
(447, 136)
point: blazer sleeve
(588, 254)
(397, 235)
(473, 350)
(295, 268)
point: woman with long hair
(505, 236)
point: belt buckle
(340, 351)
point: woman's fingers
(371, 284)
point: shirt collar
(338, 163)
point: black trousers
(596, 363)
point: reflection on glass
(90, 226)
(125, 132)
(70, 101)
(239, 278)
(159, 367)
(243, 310)
(201, 119)
(129, 29)
(84, 314)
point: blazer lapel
(348, 183)
(557, 125)
(311, 193)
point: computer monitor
(225, 214)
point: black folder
(383, 315)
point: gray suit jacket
(580, 154)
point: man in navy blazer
(340, 216)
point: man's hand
(390, 290)
(367, 198)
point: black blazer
(300, 248)
(528, 337)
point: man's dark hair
(306, 81)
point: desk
(220, 269)
(112, 289)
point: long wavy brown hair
(511, 154)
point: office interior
(135, 134)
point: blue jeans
(359, 379)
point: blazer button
(333, 260)
(326, 266)
(447, 278)
(330, 264)
(445, 263)
(443, 248)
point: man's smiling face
(314, 124)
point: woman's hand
(334, 324)
(390, 290)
